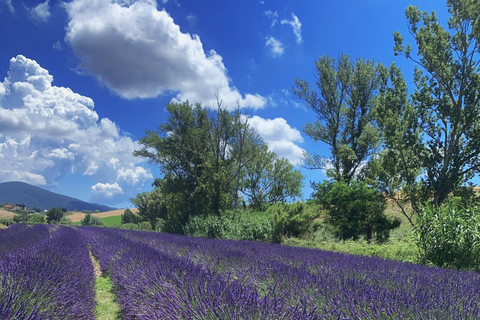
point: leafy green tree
(151, 207)
(90, 220)
(54, 215)
(355, 210)
(343, 106)
(129, 217)
(271, 180)
(447, 94)
(397, 167)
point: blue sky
(81, 80)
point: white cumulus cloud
(48, 132)
(280, 137)
(275, 46)
(138, 51)
(41, 12)
(106, 189)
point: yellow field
(78, 216)
(4, 214)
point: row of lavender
(161, 276)
(45, 273)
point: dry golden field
(4, 214)
(78, 216)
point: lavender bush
(162, 276)
(43, 277)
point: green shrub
(36, 218)
(7, 222)
(355, 210)
(65, 221)
(129, 217)
(449, 236)
(55, 215)
(234, 225)
(293, 220)
(19, 218)
(90, 220)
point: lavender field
(46, 273)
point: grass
(110, 221)
(400, 246)
(107, 307)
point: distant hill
(31, 196)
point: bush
(355, 210)
(292, 220)
(36, 218)
(234, 225)
(129, 217)
(20, 218)
(7, 222)
(65, 221)
(449, 236)
(55, 215)
(90, 220)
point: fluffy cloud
(41, 12)
(106, 189)
(296, 26)
(275, 46)
(48, 132)
(138, 51)
(280, 137)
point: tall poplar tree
(447, 93)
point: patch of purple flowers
(45, 274)
(162, 276)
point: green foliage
(234, 225)
(204, 158)
(21, 217)
(65, 221)
(293, 220)
(449, 236)
(355, 210)
(270, 180)
(55, 215)
(151, 206)
(90, 220)
(129, 217)
(7, 222)
(36, 218)
(343, 106)
(446, 97)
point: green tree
(447, 93)
(151, 207)
(355, 210)
(54, 215)
(90, 220)
(129, 217)
(397, 167)
(269, 180)
(343, 106)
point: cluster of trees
(385, 144)
(211, 161)
(415, 149)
